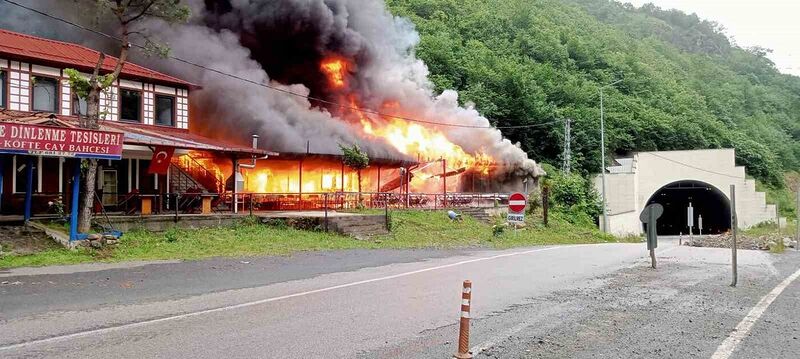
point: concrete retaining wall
(160, 223)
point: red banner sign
(18, 138)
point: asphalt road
(545, 302)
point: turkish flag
(161, 159)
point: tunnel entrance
(707, 201)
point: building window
(130, 105)
(2, 89)
(79, 105)
(165, 110)
(45, 94)
(21, 174)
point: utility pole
(567, 165)
(735, 225)
(797, 222)
(603, 154)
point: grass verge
(410, 229)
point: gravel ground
(744, 242)
(684, 309)
(24, 240)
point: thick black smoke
(282, 42)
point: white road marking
(273, 299)
(726, 349)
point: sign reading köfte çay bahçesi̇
(19, 138)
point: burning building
(307, 76)
(337, 72)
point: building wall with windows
(33, 87)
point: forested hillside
(684, 84)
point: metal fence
(192, 202)
(365, 200)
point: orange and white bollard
(463, 332)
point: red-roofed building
(149, 108)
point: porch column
(73, 214)
(137, 174)
(379, 179)
(29, 189)
(235, 182)
(343, 177)
(2, 170)
(444, 180)
(130, 175)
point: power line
(274, 88)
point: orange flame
(336, 70)
(413, 139)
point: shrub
(572, 195)
(172, 235)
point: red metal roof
(137, 134)
(81, 57)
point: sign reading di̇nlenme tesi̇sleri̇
(35, 140)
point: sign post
(545, 205)
(690, 219)
(516, 208)
(700, 224)
(650, 216)
(53, 141)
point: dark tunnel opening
(707, 201)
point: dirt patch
(22, 240)
(763, 243)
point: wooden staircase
(187, 175)
(181, 182)
(193, 174)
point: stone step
(479, 214)
(362, 229)
(359, 226)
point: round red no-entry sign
(517, 202)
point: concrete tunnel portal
(707, 200)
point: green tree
(356, 159)
(685, 84)
(127, 17)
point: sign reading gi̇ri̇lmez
(35, 140)
(516, 207)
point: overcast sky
(773, 24)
